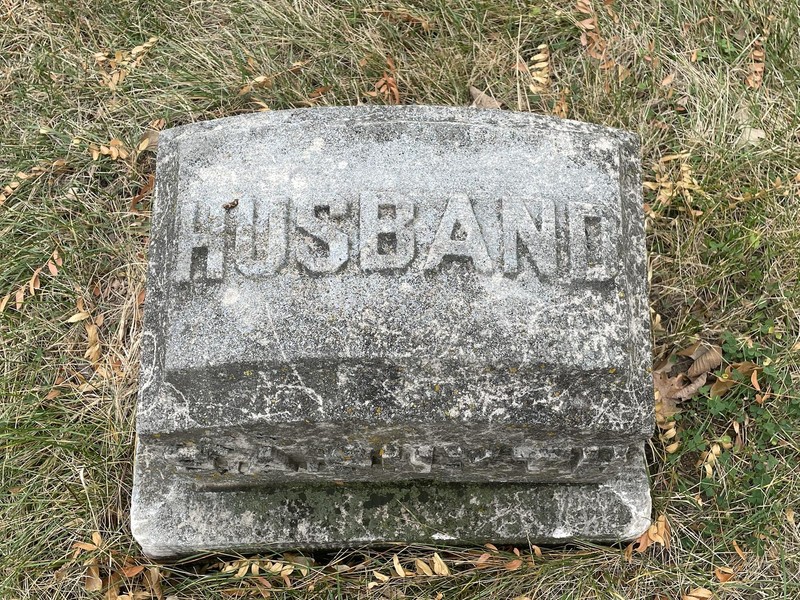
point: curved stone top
(419, 269)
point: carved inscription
(240, 460)
(382, 231)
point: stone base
(172, 517)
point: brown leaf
(482, 561)
(724, 574)
(132, 571)
(739, 550)
(143, 192)
(52, 268)
(697, 348)
(691, 389)
(4, 302)
(381, 577)
(19, 297)
(152, 578)
(667, 81)
(754, 380)
(723, 384)
(91, 580)
(513, 565)
(708, 360)
(34, 283)
(148, 141)
(482, 100)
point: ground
(712, 88)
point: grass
(721, 153)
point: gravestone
(411, 324)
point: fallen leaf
(4, 302)
(381, 577)
(84, 546)
(667, 81)
(691, 389)
(708, 360)
(132, 571)
(152, 578)
(723, 384)
(751, 136)
(723, 574)
(482, 100)
(698, 594)
(482, 561)
(439, 566)
(77, 317)
(143, 192)
(397, 566)
(148, 141)
(513, 565)
(91, 580)
(739, 550)
(423, 567)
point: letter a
(458, 212)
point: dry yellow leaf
(84, 546)
(439, 566)
(77, 317)
(698, 594)
(397, 566)
(423, 567)
(381, 577)
(4, 302)
(243, 569)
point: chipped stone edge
(163, 524)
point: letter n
(536, 231)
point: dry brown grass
(723, 240)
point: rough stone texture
(443, 309)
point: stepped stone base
(173, 516)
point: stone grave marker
(384, 324)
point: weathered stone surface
(423, 303)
